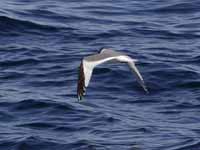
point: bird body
(105, 55)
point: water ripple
(42, 44)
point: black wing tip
(79, 98)
(145, 89)
(81, 94)
(81, 83)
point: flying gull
(90, 62)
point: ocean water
(41, 46)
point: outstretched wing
(85, 73)
(81, 82)
(138, 75)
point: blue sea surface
(42, 44)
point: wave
(194, 145)
(37, 125)
(10, 25)
(31, 142)
(15, 63)
(189, 84)
(42, 45)
(179, 8)
(165, 34)
(31, 104)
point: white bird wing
(138, 75)
(86, 69)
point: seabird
(90, 62)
